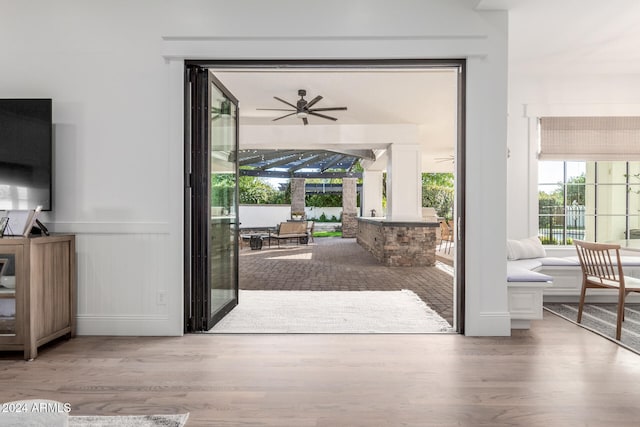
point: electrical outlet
(161, 298)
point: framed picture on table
(3, 224)
(19, 223)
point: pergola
(298, 165)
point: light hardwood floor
(556, 374)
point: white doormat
(331, 312)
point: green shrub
(548, 241)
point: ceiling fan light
(302, 115)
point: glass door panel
(211, 201)
(11, 293)
(7, 294)
(223, 208)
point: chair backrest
(444, 229)
(293, 227)
(452, 229)
(600, 262)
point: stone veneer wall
(297, 195)
(399, 244)
(349, 207)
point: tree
(438, 192)
(438, 179)
(254, 191)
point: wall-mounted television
(26, 154)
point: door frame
(460, 166)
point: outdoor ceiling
(290, 162)
(422, 99)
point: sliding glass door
(212, 193)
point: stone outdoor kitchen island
(399, 243)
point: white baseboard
(488, 324)
(127, 326)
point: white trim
(489, 324)
(486, 128)
(581, 110)
(76, 227)
(533, 177)
(123, 325)
(338, 47)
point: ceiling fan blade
(282, 100)
(322, 115)
(275, 109)
(282, 117)
(313, 101)
(305, 121)
(330, 109)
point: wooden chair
(601, 268)
(446, 235)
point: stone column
(297, 196)
(371, 192)
(349, 207)
(404, 182)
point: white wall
(115, 72)
(252, 216)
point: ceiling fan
(303, 109)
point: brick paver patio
(336, 264)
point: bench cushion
(560, 261)
(523, 275)
(627, 261)
(526, 264)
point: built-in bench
(567, 280)
(524, 291)
(532, 281)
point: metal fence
(560, 225)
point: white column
(371, 192)
(404, 182)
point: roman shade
(589, 138)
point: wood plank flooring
(556, 374)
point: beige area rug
(178, 420)
(331, 312)
(50, 413)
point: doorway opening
(408, 104)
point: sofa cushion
(530, 247)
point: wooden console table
(39, 292)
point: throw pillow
(525, 248)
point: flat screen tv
(25, 154)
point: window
(594, 200)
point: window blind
(589, 138)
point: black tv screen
(25, 154)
